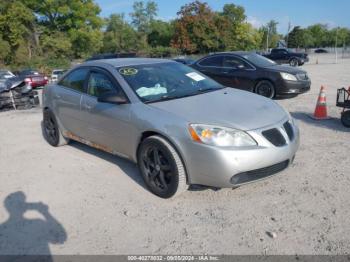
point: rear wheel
(265, 88)
(345, 118)
(294, 62)
(51, 131)
(161, 167)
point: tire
(345, 118)
(294, 62)
(51, 130)
(265, 88)
(161, 167)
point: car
(111, 56)
(185, 61)
(33, 78)
(56, 73)
(255, 73)
(287, 56)
(321, 51)
(181, 127)
(6, 74)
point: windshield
(259, 60)
(165, 81)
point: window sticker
(195, 76)
(128, 71)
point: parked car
(17, 94)
(33, 77)
(180, 126)
(321, 51)
(56, 73)
(185, 61)
(286, 56)
(111, 56)
(5, 74)
(255, 73)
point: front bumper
(285, 87)
(231, 167)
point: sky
(297, 12)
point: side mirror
(113, 98)
(241, 67)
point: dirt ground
(97, 203)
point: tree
(119, 35)
(16, 22)
(299, 37)
(195, 29)
(161, 33)
(143, 15)
(270, 36)
(319, 34)
(77, 19)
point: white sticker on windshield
(195, 76)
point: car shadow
(332, 123)
(20, 235)
(128, 167)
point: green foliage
(49, 33)
(195, 29)
(143, 15)
(119, 36)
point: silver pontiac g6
(179, 126)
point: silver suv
(181, 127)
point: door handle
(57, 96)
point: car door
(107, 125)
(67, 99)
(212, 67)
(239, 73)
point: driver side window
(100, 84)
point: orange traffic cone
(321, 106)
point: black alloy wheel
(265, 88)
(294, 62)
(50, 128)
(161, 167)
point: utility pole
(267, 39)
(336, 44)
(288, 30)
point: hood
(286, 69)
(227, 107)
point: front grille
(275, 137)
(257, 174)
(289, 130)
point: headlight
(220, 136)
(289, 77)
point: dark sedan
(252, 72)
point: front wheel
(265, 88)
(294, 62)
(161, 167)
(345, 118)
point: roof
(235, 52)
(116, 62)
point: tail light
(28, 81)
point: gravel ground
(97, 203)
